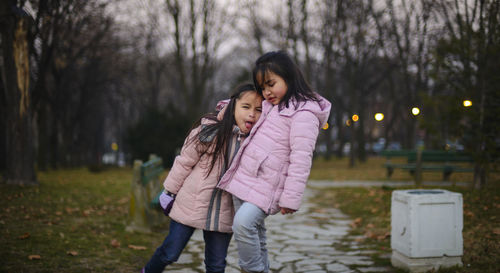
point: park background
(87, 84)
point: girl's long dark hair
(279, 63)
(213, 138)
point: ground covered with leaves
(370, 209)
(74, 221)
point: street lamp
(467, 103)
(355, 117)
(415, 111)
(379, 116)
(326, 126)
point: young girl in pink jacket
(206, 155)
(270, 171)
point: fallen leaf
(34, 257)
(123, 200)
(384, 236)
(115, 243)
(359, 239)
(356, 222)
(137, 247)
(372, 193)
(469, 213)
(370, 225)
(374, 210)
(496, 231)
(58, 213)
(370, 234)
(24, 236)
(72, 253)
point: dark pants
(216, 244)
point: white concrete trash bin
(426, 229)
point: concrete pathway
(302, 242)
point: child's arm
(303, 134)
(183, 164)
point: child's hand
(166, 202)
(287, 211)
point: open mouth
(249, 124)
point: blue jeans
(250, 235)
(216, 244)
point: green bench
(147, 184)
(447, 162)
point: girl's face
(247, 110)
(274, 87)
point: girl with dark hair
(270, 171)
(205, 156)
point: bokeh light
(415, 111)
(379, 116)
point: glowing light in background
(415, 111)
(379, 116)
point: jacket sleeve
(183, 164)
(304, 131)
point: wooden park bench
(147, 184)
(446, 162)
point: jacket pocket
(258, 159)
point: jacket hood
(321, 108)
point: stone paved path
(302, 242)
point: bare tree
(15, 77)
(408, 37)
(469, 69)
(198, 31)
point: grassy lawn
(370, 208)
(75, 220)
(372, 169)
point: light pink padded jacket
(274, 162)
(196, 203)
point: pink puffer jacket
(273, 164)
(199, 203)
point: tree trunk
(15, 73)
